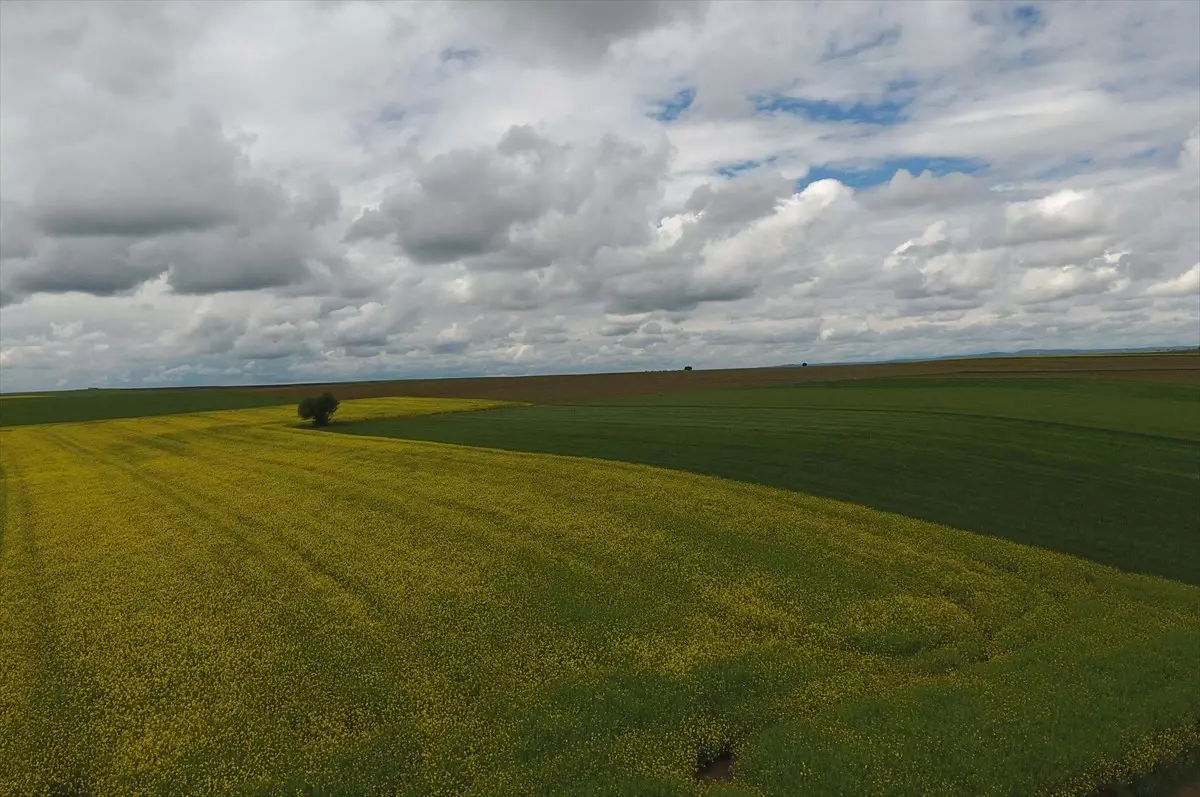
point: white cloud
(260, 192)
(1063, 214)
(1189, 157)
(1186, 284)
(1045, 284)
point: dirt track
(581, 387)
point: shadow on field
(716, 767)
(1178, 778)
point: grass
(91, 405)
(222, 603)
(1106, 471)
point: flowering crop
(224, 602)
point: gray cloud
(524, 204)
(936, 264)
(729, 206)
(274, 341)
(370, 325)
(109, 215)
(268, 192)
(582, 29)
(1063, 214)
(143, 185)
(215, 335)
(651, 292)
(102, 266)
(529, 219)
(18, 232)
(927, 190)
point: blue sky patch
(1062, 169)
(1147, 157)
(884, 112)
(881, 172)
(833, 52)
(1028, 18)
(389, 114)
(737, 167)
(669, 110)
(459, 54)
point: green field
(1105, 470)
(92, 405)
(225, 602)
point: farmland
(91, 405)
(1173, 368)
(851, 588)
(1104, 470)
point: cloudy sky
(272, 191)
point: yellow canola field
(224, 603)
(351, 410)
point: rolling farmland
(1105, 470)
(225, 602)
(91, 405)
(1172, 368)
(583, 398)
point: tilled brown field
(569, 388)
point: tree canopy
(318, 409)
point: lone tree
(687, 367)
(318, 408)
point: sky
(264, 192)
